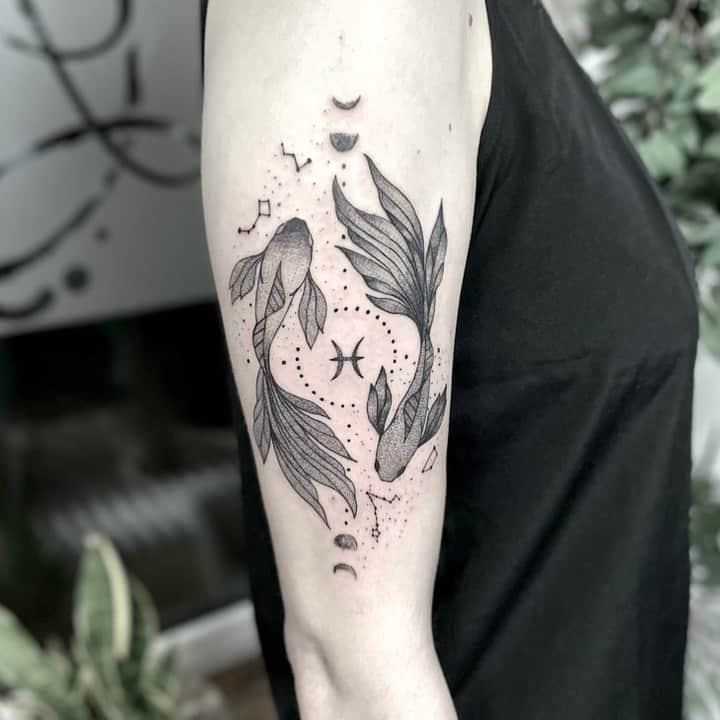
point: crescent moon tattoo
(351, 105)
(344, 567)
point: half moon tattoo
(404, 273)
(304, 444)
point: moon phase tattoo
(343, 142)
(351, 105)
(304, 444)
(404, 273)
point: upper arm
(340, 290)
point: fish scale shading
(404, 273)
(305, 445)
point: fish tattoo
(404, 272)
(305, 446)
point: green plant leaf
(662, 155)
(644, 80)
(711, 146)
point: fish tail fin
(305, 446)
(387, 255)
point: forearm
(386, 672)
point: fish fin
(243, 276)
(399, 209)
(435, 262)
(312, 311)
(410, 411)
(389, 262)
(379, 402)
(303, 441)
(261, 420)
(301, 484)
(434, 417)
(276, 299)
(302, 404)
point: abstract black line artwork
(304, 445)
(351, 105)
(405, 275)
(343, 142)
(263, 210)
(374, 499)
(344, 567)
(341, 359)
(298, 166)
(106, 132)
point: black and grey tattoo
(343, 142)
(405, 275)
(350, 105)
(340, 358)
(298, 166)
(304, 445)
(263, 211)
(344, 567)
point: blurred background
(117, 452)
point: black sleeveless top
(562, 588)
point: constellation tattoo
(263, 210)
(343, 142)
(351, 105)
(298, 166)
(341, 359)
(405, 274)
(304, 444)
(374, 499)
(344, 567)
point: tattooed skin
(405, 275)
(304, 444)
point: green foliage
(110, 672)
(662, 80)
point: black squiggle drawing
(340, 358)
(98, 47)
(405, 274)
(343, 142)
(133, 88)
(298, 166)
(303, 443)
(373, 498)
(344, 567)
(42, 301)
(115, 150)
(263, 210)
(345, 542)
(351, 105)
(102, 130)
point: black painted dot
(314, 393)
(335, 310)
(345, 308)
(345, 288)
(284, 362)
(406, 357)
(377, 317)
(77, 278)
(248, 361)
(367, 312)
(357, 308)
(389, 331)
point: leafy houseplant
(662, 80)
(109, 673)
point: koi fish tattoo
(404, 272)
(305, 445)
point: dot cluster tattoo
(312, 438)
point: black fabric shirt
(562, 588)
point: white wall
(142, 246)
